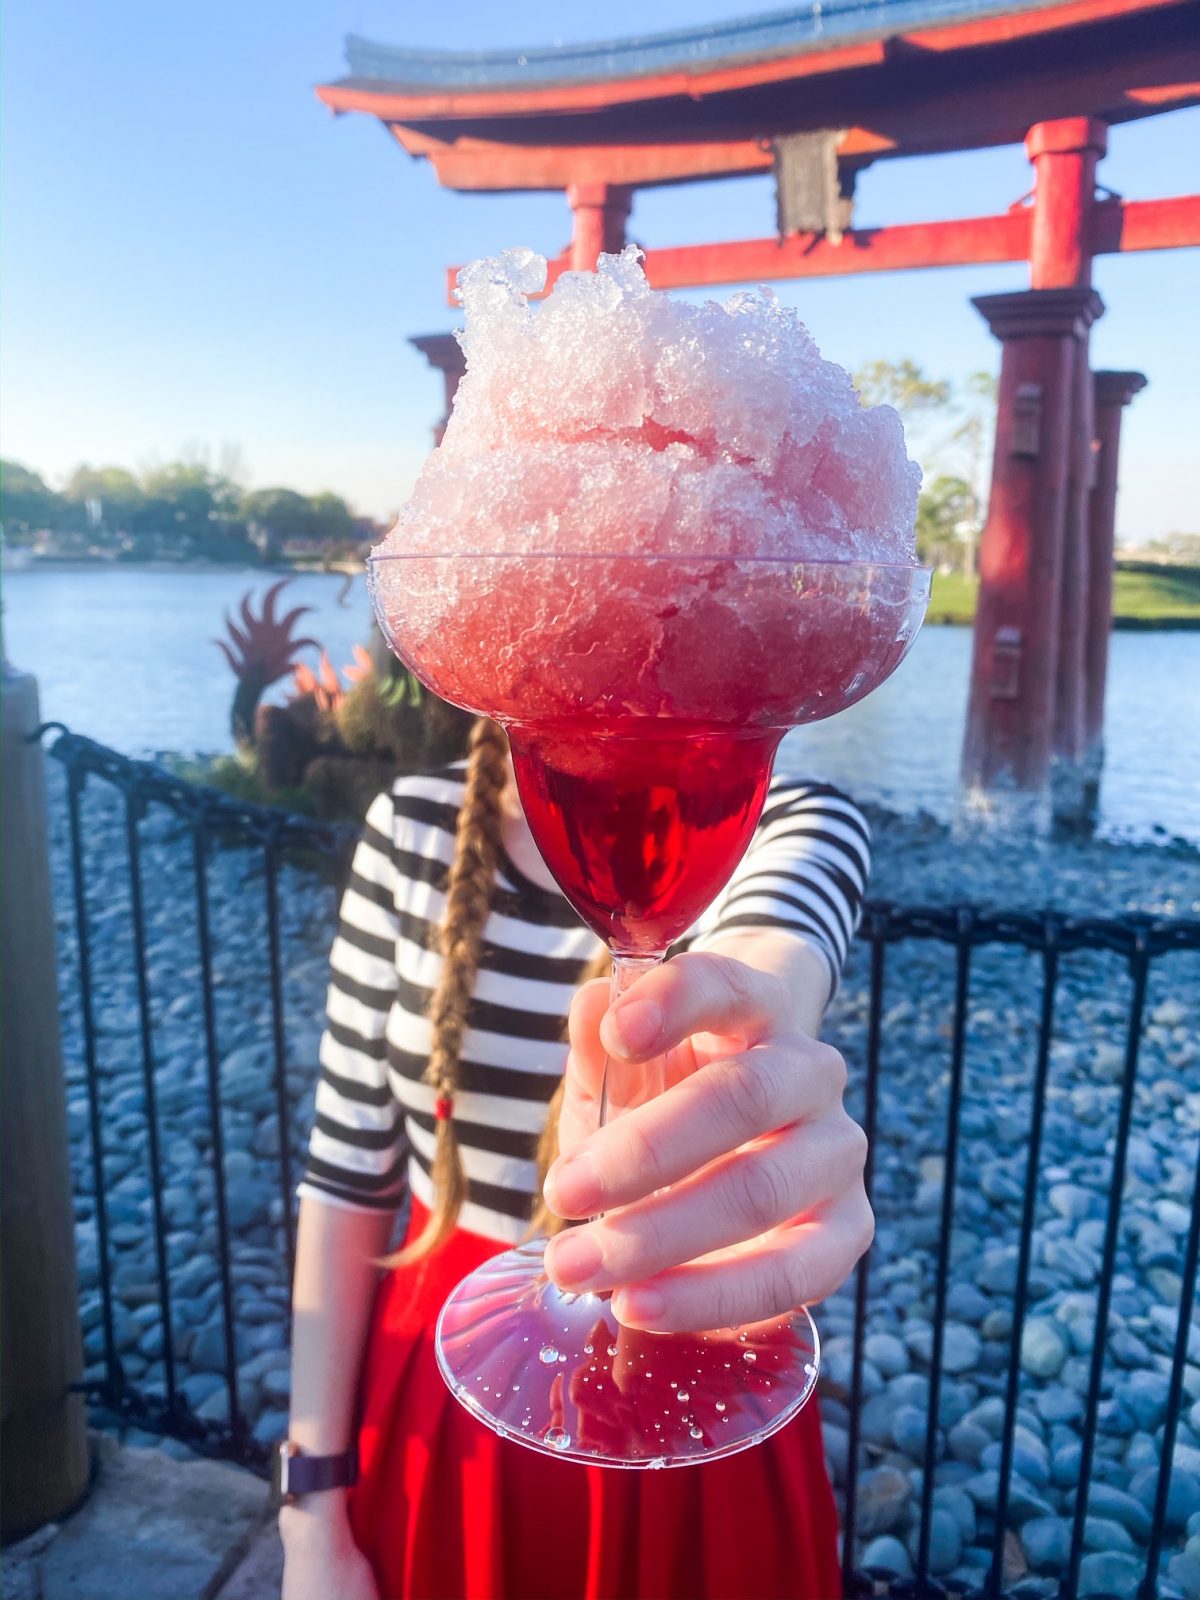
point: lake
(127, 657)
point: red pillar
(1064, 156)
(443, 351)
(600, 212)
(1112, 393)
(1011, 717)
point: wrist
(317, 1516)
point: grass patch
(953, 598)
(240, 780)
(1144, 596)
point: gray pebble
(1046, 1542)
(837, 1448)
(1043, 1348)
(888, 1353)
(1103, 1533)
(1058, 1404)
(883, 1494)
(1105, 1500)
(1110, 1572)
(909, 1428)
(965, 1303)
(967, 1441)
(1183, 1494)
(945, 1541)
(889, 1554)
(1184, 1569)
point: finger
(740, 1197)
(794, 1266)
(725, 1104)
(695, 993)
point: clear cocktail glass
(644, 698)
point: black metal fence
(203, 824)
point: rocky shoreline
(917, 863)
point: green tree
(275, 516)
(903, 384)
(117, 493)
(332, 520)
(945, 519)
(27, 503)
(949, 427)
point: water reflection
(127, 657)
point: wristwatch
(294, 1474)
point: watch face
(281, 1458)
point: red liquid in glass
(641, 820)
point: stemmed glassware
(644, 698)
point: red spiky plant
(260, 651)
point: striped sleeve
(356, 1153)
(806, 870)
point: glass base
(558, 1372)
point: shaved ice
(610, 422)
(612, 417)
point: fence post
(45, 1459)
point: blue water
(127, 657)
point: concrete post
(44, 1464)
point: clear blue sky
(196, 254)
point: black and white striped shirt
(805, 870)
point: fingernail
(573, 1187)
(573, 1257)
(636, 1027)
(639, 1308)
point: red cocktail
(644, 696)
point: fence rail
(209, 822)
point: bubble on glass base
(557, 1438)
(683, 1395)
(720, 1405)
(589, 1350)
(548, 1355)
(749, 1355)
(809, 1370)
(696, 1433)
(612, 1350)
(658, 1461)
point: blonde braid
(459, 940)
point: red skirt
(446, 1510)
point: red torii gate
(816, 94)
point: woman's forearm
(337, 1273)
(802, 970)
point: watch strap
(297, 1474)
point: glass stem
(627, 1084)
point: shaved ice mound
(714, 428)
(595, 534)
